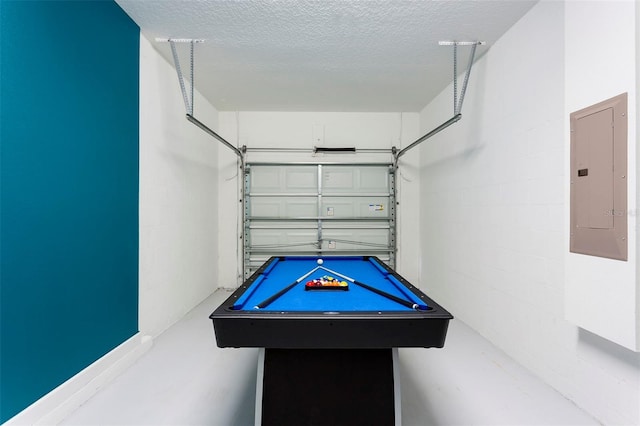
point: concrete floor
(185, 379)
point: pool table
(359, 317)
(328, 330)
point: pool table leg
(259, 388)
(328, 386)
(397, 400)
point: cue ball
(319, 261)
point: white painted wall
(494, 214)
(178, 198)
(306, 130)
(637, 142)
(601, 294)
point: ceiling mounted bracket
(188, 101)
(457, 101)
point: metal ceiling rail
(316, 163)
(322, 150)
(430, 134)
(457, 101)
(195, 121)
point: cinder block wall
(494, 205)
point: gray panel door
(318, 210)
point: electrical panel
(599, 179)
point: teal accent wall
(69, 202)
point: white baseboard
(52, 408)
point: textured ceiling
(302, 55)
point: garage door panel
(355, 179)
(283, 224)
(283, 207)
(283, 179)
(374, 180)
(334, 179)
(265, 180)
(355, 239)
(288, 211)
(350, 207)
(301, 179)
(291, 239)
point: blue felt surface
(286, 271)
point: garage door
(318, 209)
